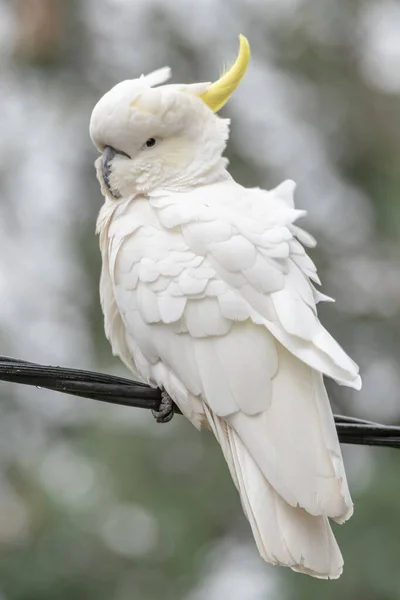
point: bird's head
(160, 137)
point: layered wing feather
(249, 238)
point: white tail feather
(285, 535)
(294, 441)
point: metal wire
(119, 390)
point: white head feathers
(179, 120)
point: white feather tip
(157, 77)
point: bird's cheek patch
(176, 152)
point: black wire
(119, 390)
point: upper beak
(107, 158)
(109, 154)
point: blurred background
(99, 502)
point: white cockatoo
(207, 293)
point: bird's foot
(166, 409)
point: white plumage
(206, 291)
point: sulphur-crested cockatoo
(207, 293)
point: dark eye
(150, 142)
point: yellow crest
(219, 92)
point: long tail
(285, 535)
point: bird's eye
(150, 142)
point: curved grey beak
(109, 154)
(107, 158)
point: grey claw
(166, 409)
